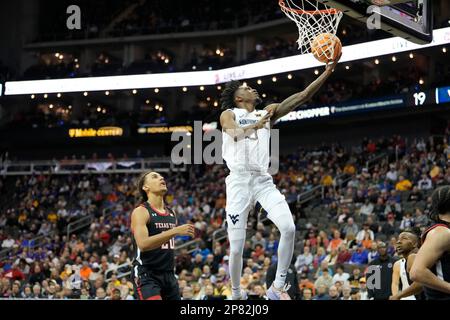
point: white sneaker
(278, 294)
(242, 296)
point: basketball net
(312, 19)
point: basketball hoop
(312, 19)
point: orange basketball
(326, 47)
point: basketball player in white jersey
(246, 139)
(407, 246)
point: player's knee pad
(282, 218)
(290, 226)
(237, 242)
(235, 252)
(288, 231)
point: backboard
(412, 20)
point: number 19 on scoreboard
(420, 98)
(430, 97)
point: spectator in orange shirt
(367, 242)
(327, 180)
(336, 242)
(22, 217)
(349, 169)
(434, 173)
(85, 271)
(112, 197)
(306, 284)
(403, 184)
(259, 251)
(52, 217)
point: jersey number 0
(169, 245)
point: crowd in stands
(106, 64)
(130, 18)
(401, 80)
(157, 17)
(93, 116)
(356, 216)
(95, 17)
(279, 47)
(204, 59)
(107, 18)
(153, 17)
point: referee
(384, 265)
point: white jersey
(251, 153)
(405, 279)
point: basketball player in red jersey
(431, 267)
(154, 227)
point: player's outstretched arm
(281, 109)
(436, 244)
(139, 220)
(229, 125)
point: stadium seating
(38, 210)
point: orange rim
(311, 12)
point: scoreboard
(406, 101)
(421, 98)
(427, 97)
(443, 95)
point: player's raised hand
(186, 230)
(332, 65)
(262, 122)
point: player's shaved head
(408, 241)
(414, 234)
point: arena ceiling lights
(205, 78)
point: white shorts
(243, 191)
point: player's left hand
(271, 108)
(332, 65)
(264, 120)
(393, 298)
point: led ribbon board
(92, 133)
(205, 78)
(412, 100)
(164, 129)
